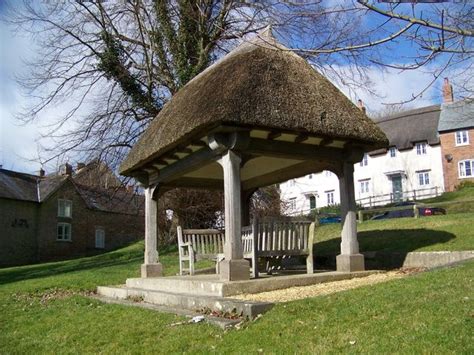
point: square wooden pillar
(350, 259)
(234, 266)
(151, 266)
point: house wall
(120, 229)
(18, 223)
(378, 172)
(458, 153)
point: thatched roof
(406, 128)
(260, 84)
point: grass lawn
(42, 311)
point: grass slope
(430, 312)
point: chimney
(360, 105)
(41, 172)
(448, 96)
(65, 169)
(80, 166)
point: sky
(19, 142)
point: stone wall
(18, 226)
(120, 229)
(458, 153)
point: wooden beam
(281, 175)
(301, 137)
(290, 150)
(199, 143)
(273, 135)
(196, 183)
(185, 165)
(184, 150)
(325, 141)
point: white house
(410, 169)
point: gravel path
(296, 293)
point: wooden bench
(261, 240)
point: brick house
(456, 132)
(66, 214)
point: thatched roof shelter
(259, 116)
(260, 84)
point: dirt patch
(300, 292)
(46, 296)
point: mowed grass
(429, 312)
(435, 233)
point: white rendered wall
(377, 172)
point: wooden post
(349, 259)
(416, 213)
(233, 267)
(151, 267)
(255, 238)
(361, 216)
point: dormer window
(365, 160)
(393, 152)
(421, 148)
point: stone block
(234, 270)
(152, 270)
(350, 262)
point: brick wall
(120, 229)
(18, 223)
(448, 147)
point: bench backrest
(283, 238)
(273, 238)
(205, 242)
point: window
(365, 160)
(312, 202)
(292, 203)
(364, 186)
(310, 176)
(423, 178)
(420, 148)
(99, 238)
(330, 197)
(462, 138)
(466, 168)
(64, 232)
(328, 173)
(292, 182)
(64, 208)
(393, 152)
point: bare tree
(115, 64)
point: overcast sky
(18, 143)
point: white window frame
(365, 160)
(63, 237)
(364, 186)
(292, 203)
(459, 137)
(421, 148)
(423, 178)
(99, 233)
(393, 152)
(330, 197)
(62, 203)
(462, 168)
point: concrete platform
(207, 292)
(210, 285)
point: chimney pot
(448, 96)
(80, 166)
(41, 172)
(360, 105)
(66, 169)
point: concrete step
(187, 285)
(191, 302)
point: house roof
(456, 115)
(18, 186)
(26, 187)
(408, 127)
(260, 84)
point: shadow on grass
(129, 255)
(390, 244)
